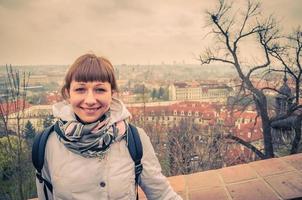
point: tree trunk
(267, 138)
(296, 141)
(19, 155)
(297, 90)
(261, 104)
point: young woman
(77, 164)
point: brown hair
(88, 68)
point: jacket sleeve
(154, 184)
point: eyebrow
(80, 83)
(99, 84)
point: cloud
(128, 31)
(13, 4)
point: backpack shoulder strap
(38, 153)
(38, 148)
(135, 149)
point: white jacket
(80, 178)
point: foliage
(9, 175)
(29, 133)
(48, 121)
(17, 174)
(163, 93)
(140, 89)
(160, 94)
(154, 94)
(35, 99)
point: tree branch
(246, 144)
(210, 59)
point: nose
(90, 98)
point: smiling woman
(88, 157)
(89, 85)
(89, 100)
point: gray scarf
(88, 140)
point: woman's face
(90, 100)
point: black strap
(38, 153)
(46, 184)
(38, 148)
(45, 192)
(136, 152)
(135, 149)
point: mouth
(90, 110)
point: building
(193, 91)
(172, 114)
(23, 111)
(38, 79)
(207, 119)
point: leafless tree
(232, 30)
(12, 106)
(185, 147)
(289, 55)
(192, 149)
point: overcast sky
(125, 31)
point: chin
(89, 119)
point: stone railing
(272, 179)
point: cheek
(75, 100)
(105, 100)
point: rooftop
(272, 179)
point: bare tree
(185, 147)
(181, 148)
(192, 149)
(12, 143)
(232, 31)
(289, 56)
(212, 148)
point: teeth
(91, 109)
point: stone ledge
(272, 179)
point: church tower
(284, 98)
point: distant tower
(283, 99)
(117, 73)
(172, 92)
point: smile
(90, 110)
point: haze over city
(129, 31)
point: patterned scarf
(88, 140)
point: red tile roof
(13, 107)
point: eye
(80, 90)
(100, 90)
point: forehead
(91, 70)
(90, 83)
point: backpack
(38, 152)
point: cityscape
(190, 104)
(218, 95)
(165, 97)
